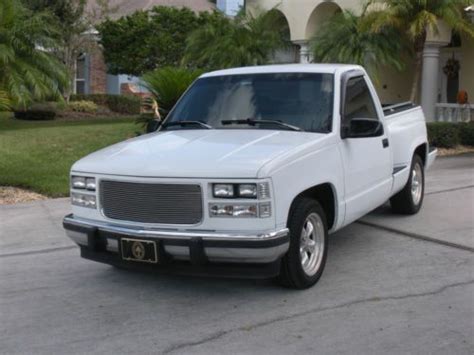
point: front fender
(308, 169)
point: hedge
(127, 104)
(43, 111)
(449, 134)
(466, 133)
(35, 115)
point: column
(305, 55)
(429, 80)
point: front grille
(151, 203)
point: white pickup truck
(249, 173)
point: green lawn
(38, 155)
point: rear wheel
(304, 262)
(410, 199)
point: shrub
(126, 104)
(83, 106)
(44, 106)
(443, 134)
(5, 103)
(466, 133)
(42, 111)
(35, 115)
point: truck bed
(391, 109)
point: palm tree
(247, 39)
(168, 84)
(28, 70)
(414, 19)
(345, 38)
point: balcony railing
(454, 112)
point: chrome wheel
(417, 183)
(312, 244)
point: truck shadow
(341, 244)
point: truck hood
(222, 153)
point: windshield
(302, 100)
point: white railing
(454, 112)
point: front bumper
(100, 241)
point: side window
(358, 100)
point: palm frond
(247, 39)
(345, 38)
(28, 69)
(168, 84)
(5, 104)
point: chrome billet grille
(151, 203)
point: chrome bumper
(181, 245)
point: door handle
(385, 142)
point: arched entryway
(288, 54)
(319, 15)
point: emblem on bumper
(138, 250)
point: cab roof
(284, 68)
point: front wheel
(410, 199)
(304, 262)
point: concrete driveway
(392, 284)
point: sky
(230, 7)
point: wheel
(410, 199)
(304, 262)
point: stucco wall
(466, 80)
(394, 86)
(298, 12)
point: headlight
(83, 200)
(90, 184)
(250, 191)
(83, 182)
(223, 190)
(233, 210)
(244, 210)
(78, 182)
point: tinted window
(359, 103)
(304, 100)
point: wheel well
(324, 194)
(421, 151)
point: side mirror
(362, 128)
(152, 126)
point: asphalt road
(392, 285)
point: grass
(38, 155)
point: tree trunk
(416, 78)
(419, 46)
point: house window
(80, 80)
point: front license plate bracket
(139, 250)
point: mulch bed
(11, 195)
(460, 149)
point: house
(302, 19)
(91, 71)
(438, 90)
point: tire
(410, 199)
(295, 273)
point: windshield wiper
(253, 122)
(187, 123)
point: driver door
(367, 160)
